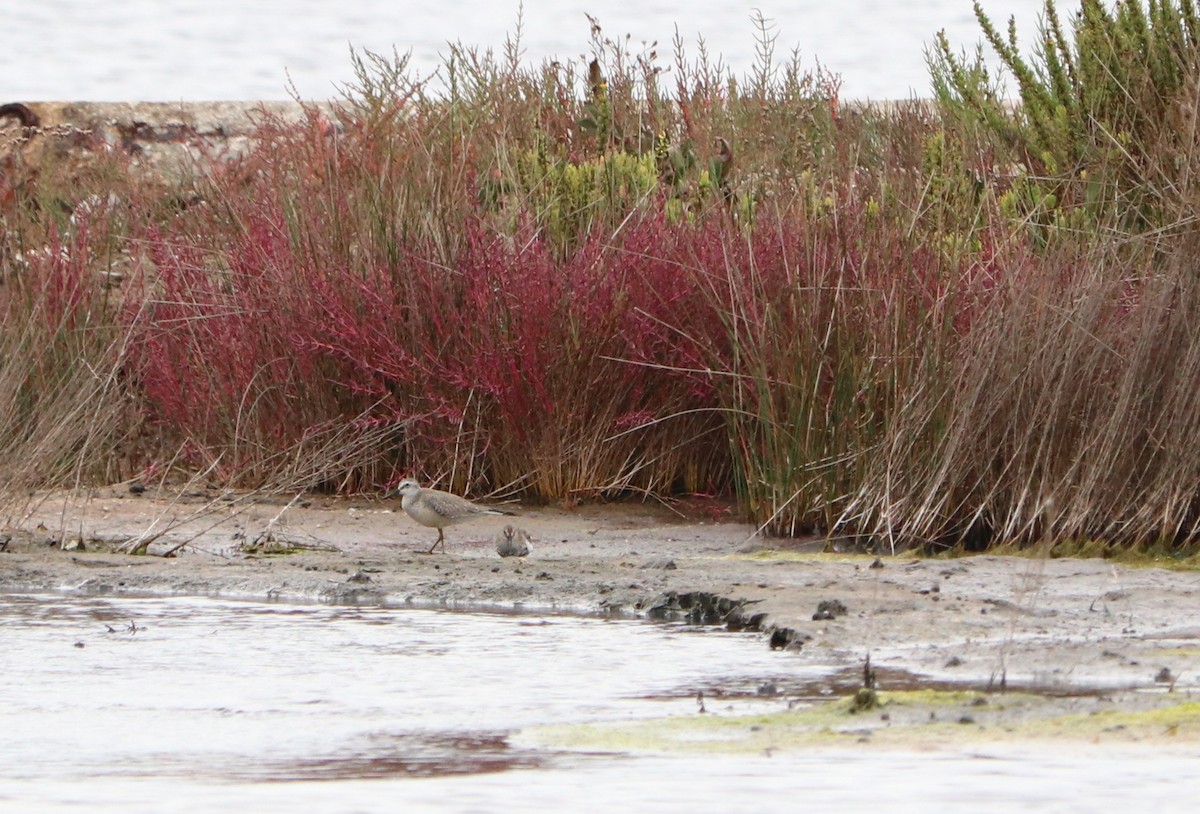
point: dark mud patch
(414, 754)
(710, 609)
(703, 608)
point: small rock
(664, 564)
(877, 564)
(137, 488)
(829, 609)
(1164, 676)
(359, 576)
(767, 688)
(865, 699)
(783, 638)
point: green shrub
(1102, 136)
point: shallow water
(190, 705)
(173, 50)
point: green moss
(908, 719)
(1181, 720)
(1132, 555)
(700, 733)
(782, 555)
(1178, 652)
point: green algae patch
(1177, 721)
(1176, 652)
(698, 733)
(829, 723)
(1150, 555)
(917, 719)
(932, 697)
(785, 555)
(782, 555)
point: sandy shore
(1051, 625)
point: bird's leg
(441, 539)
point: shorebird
(511, 542)
(438, 509)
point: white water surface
(189, 50)
(201, 705)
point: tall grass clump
(832, 324)
(1059, 412)
(66, 412)
(1067, 418)
(492, 272)
(503, 369)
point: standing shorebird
(438, 509)
(512, 542)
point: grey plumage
(513, 542)
(438, 509)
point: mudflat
(1048, 625)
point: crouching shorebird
(438, 509)
(512, 542)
